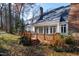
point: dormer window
(62, 19)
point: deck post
(44, 35)
(36, 36)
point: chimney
(41, 13)
(41, 10)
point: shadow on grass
(3, 52)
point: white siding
(49, 24)
(58, 28)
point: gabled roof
(61, 12)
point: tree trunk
(1, 19)
(10, 20)
(5, 19)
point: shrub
(25, 41)
(69, 40)
(58, 49)
(62, 36)
(58, 41)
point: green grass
(7, 36)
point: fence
(54, 39)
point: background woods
(12, 16)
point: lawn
(9, 45)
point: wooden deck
(53, 39)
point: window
(51, 30)
(54, 29)
(63, 28)
(41, 30)
(46, 30)
(36, 29)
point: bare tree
(12, 15)
(10, 21)
(1, 10)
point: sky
(47, 6)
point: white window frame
(63, 28)
(41, 30)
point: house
(54, 21)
